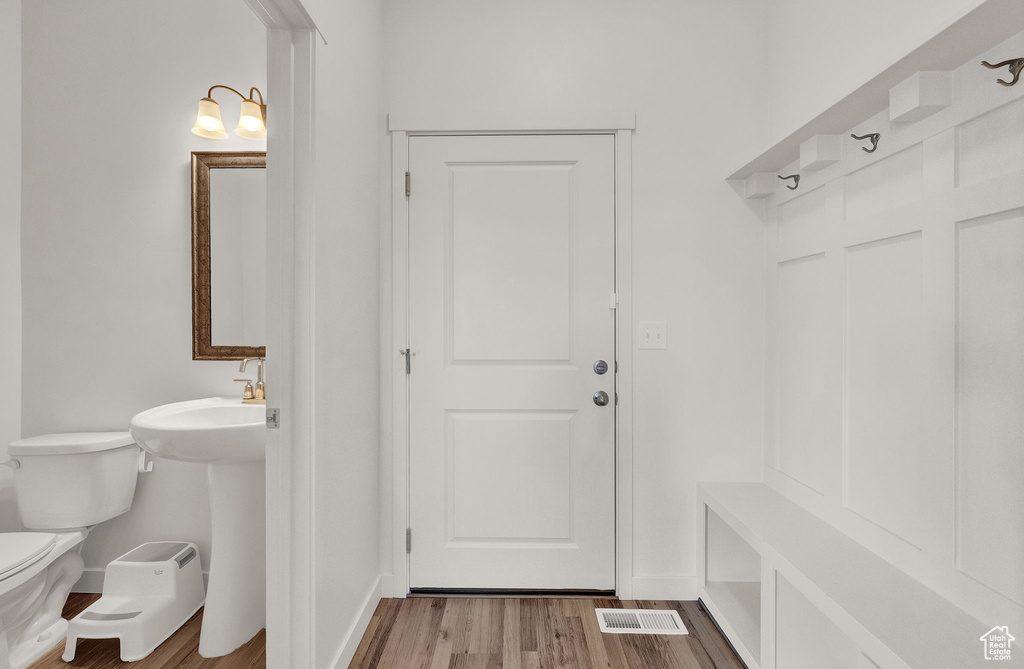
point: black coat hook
(874, 137)
(795, 178)
(1016, 65)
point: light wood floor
(426, 633)
(181, 650)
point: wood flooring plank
(496, 630)
(476, 632)
(428, 635)
(605, 651)
(470, 661)
(511, 655)
(696, 643)
(370, 636)
(405, 649)
(554, 640)
(386, 614)
(703, 627)
(451, 622)
(584, 657)
(529, 620)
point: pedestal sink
(228, 437)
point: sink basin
(229, 438)
(213, 430)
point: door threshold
(511, 593)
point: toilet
(65, 484)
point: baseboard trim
(355, 632)
(387, 586)
(665, 587)
(91, 580)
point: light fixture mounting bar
(209, 93)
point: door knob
(600, 398)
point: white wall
(110, 93)
(10, 250)
(694, 73)
(347, 288)
(820, 51)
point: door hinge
(613, 300)
(408, 540)
(408, 359)
(408, 184)
(273, 419)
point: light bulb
(250, 121)
(208, 123)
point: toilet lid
(70, 443)
(18, 549)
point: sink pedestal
(229, 437)
(236, 598)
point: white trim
(291, 54)
(282, 14)
(290, 455)
(354, 635)
(502, 121)
(624, 581)
(396, 322)
(394, 329)
(664, 587)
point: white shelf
(990, 23)
(739, 602)
(805, 639)
(867, 598)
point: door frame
(394, 262)
(291, 88)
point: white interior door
(511, 271)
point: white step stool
(148, 593)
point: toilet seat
(20, 549)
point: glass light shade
(250, 122)
(208, 123)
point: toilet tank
(74, 480)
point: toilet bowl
(65, 484)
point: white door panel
(511, 266)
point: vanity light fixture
(252, 123)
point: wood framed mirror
(228, 255)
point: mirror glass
(229, 232)
(238, 252)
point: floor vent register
(640, 621)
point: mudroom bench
(791, 591)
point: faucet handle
(248, 393)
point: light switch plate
(653, 334)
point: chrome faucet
(259, 393)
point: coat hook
(795, 178)
(874, 137)
(1016, 65)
